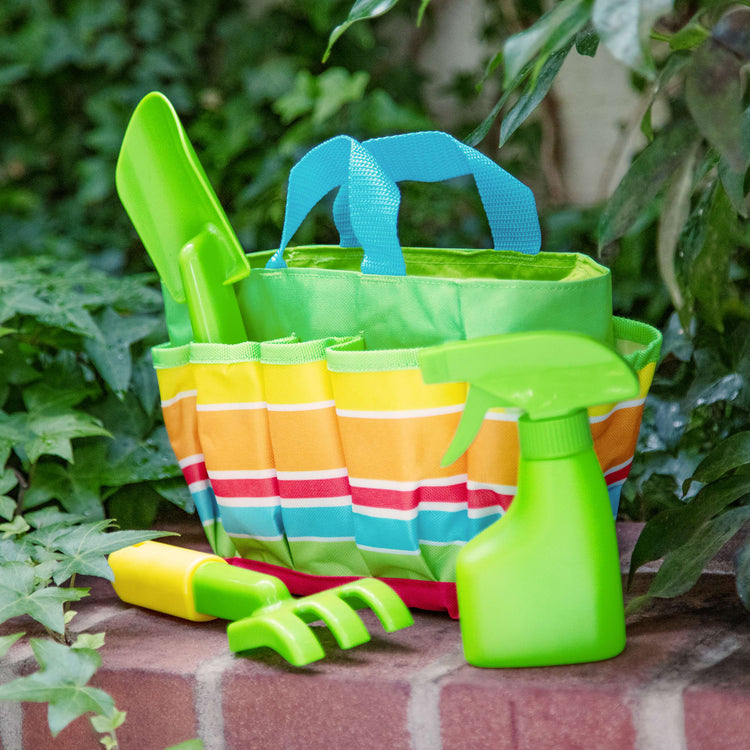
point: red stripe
(408, 499)
(332, 487)
(267, 487)
(619, 475)
(195, 472)
(485, 498)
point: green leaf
(84, 548)
(707, 264)
(420, 13)
(713, 93)
(624, 27)
(89, 640)
(647, 176)
(111, 355)
(672, 528)
(742, 570)
(134, 506)
(682, 567)
(20, 595)
(62, 683)
(729, 454)
(672, 220)
(554, 30)
(176, 491)
(104, 724)
(362, 10)
(6, 641)
(15, 527)
(534, 91)
(337, 87)
(587, 41)
(52, 431)
(195, 744)
(691, 35)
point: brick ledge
(682, 682)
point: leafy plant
(680, 214)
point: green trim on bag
(639, 343)
(450, 263)
(299, 352)
(347, 358)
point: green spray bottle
(542, 585)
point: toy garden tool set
(309, 440)
(197, 586)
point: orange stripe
(182, 427)
(236, 440)
(306, 440)
(616, 437)
(493, 456)
(399, 449)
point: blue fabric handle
(366, 207)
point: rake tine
(338, 616)
(381, 598)
(280, 630)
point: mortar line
(423, 709)
(208, 700)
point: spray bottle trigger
(478, 402)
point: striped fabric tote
(313, 449)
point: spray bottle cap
(546, 374)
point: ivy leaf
(62, 683)
(20, 595)
(104, 724)
(555, 29)
(534, 91)
(196, 744)
(8, 481)
(587, 41)
(648, 174)
(362, 10)
(6, 641)
(52, 431)
(728, 455)
(624, 27)
(111, 354)
(86, 546)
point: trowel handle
(192, 585)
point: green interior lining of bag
(449, 263)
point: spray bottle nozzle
(544, 373)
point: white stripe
(617, 407)
(443, 507)
(344, 501)
(503, 416)
(392, 484)
(199, 485)
(312, 406)
(320, 538)
(490, 510)
(297, 476)
(232, 406)
(412, 552)
(196, 458)
(618, 483)
(235, 535)
(501, 489)
(390, 513)
(433, 543)
(243, 474)
(248, 502)
(400, 413)
(178, 397)
(618, 467)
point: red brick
(78, 735)
(717, 719)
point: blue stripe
(614, 498)
(205, 505)
(263, 521)
(386, 533)
(322, 522)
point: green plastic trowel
(183, 227)
(542, 585)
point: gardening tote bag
(313, 449)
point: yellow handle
(159, 576)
